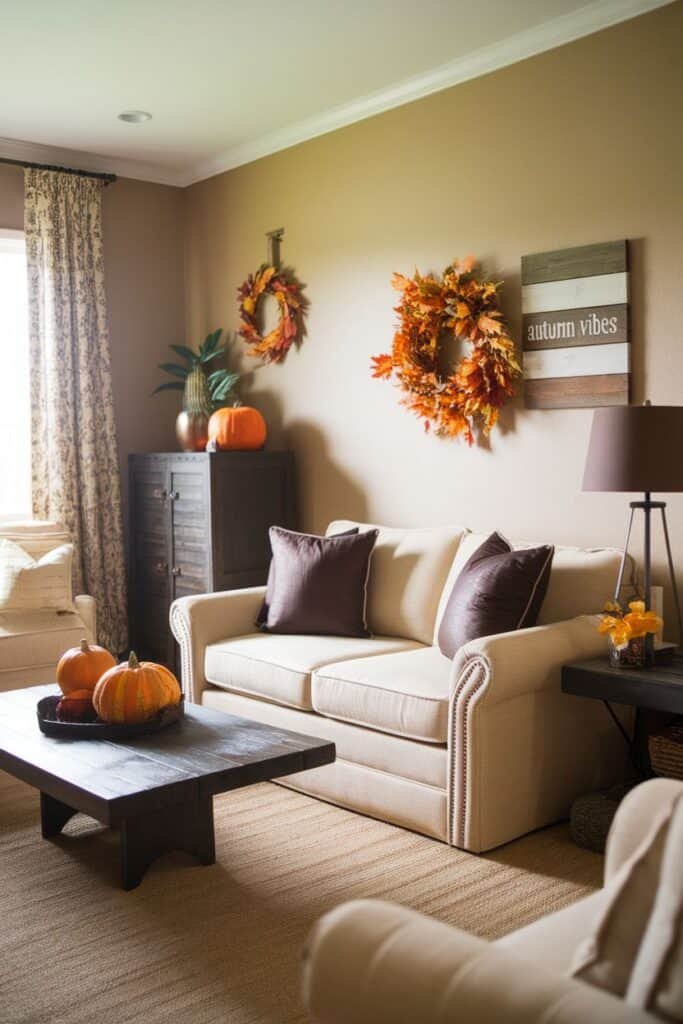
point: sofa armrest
(521, 750)
(527, 660)
(369, 962)
(635, 818)
(205, 619)
(87, 609)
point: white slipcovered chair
(31, 642)
(369, 962)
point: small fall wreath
(460, 305)
(268, 280)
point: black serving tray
(49, 723)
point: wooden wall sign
(575, 327)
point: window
(15, 408)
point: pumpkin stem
(84, 645)
(133, 660)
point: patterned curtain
(75, 468)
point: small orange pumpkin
(80, 667)
(237, 428)
(132, 692)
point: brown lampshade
(635, 448)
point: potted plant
(627, 633)
(203, 391)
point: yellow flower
(637, 606)
(641, 622)
(612, 606)
(608, 623)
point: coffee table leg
(187, 827)
(53, 815)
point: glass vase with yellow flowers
(627, 633)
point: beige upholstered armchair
(31, 642)
(369, 962)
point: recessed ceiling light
(135, 116)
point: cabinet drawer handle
(174, 495)
(159, 493)
(161, 568)
(175, 571)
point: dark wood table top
(659, 688)
(207, 753)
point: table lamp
(639, 448)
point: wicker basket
(666, 751)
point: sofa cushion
(498, 590)
(607, 954)
(405, 694)
(319, 584)
(30, 640)
(35, 536)
(656, 982)
(408, 570)
(581, 579)
(35, 584)
(278, 667)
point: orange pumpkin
(237, 428)
(80, 667)
(131, 692)
(173, 691)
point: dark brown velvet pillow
(498, 590)
(320, 583)
(262, 616)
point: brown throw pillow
(320, 583)
(270, 585)
(498, 590)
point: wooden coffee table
(157, 790)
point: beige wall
(143, 248)
(574, 146)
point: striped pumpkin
(132, 692)
(174, 693)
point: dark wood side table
(656, 693)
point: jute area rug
(203, 945)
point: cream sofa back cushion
(408, 570)
(35, 536)
(581, 579)
(30, 584)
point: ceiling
(228, 81)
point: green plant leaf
(223, 387)
(208, 356)
(175, 369)
(217, 375)
(210, 342)
(170, 385)
(185, 353)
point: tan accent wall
(577, 145)
(143, 249)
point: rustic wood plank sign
(575, 327)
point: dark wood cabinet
(198, 523)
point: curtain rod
(106, 178)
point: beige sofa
(473, 752)
(31, 642)
(370, 962)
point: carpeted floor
(198, 945)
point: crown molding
(593, 17)
(37, 152)
(566, 28)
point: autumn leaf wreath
(451, 403)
